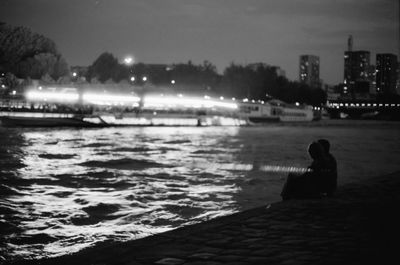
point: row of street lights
(132, 78)
(129, 61)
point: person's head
(325, 144)
(315, 150)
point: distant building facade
(309, 70)
(356, 73)
(386, 73)
(372, 79)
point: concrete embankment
(360, 225)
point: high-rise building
(372, 79)
(386, 73)
(309, 70)
(356, 72)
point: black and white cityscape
(199, 132)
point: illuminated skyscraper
(309, 70)
(386, 73)
(356, 72)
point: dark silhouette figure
(329, 181)
(307, 185)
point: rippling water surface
(63, 189)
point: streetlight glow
(144, 78)
(128, 60)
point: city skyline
(218, 31)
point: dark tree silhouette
(260, 81)
(257, 81)
(105, 67)
(28, 54)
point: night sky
(221, 31)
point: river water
(63, 189)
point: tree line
(28, 55)
(258, 81)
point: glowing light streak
(163, 102)
(73, 97)
(52, 96)
(223, 104)
(187, 102)
(106, 99)
(269, 168)
(263, 168)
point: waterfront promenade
(360, 225)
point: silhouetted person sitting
(329, 182)
(307, 185)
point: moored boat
(10, 118)
(88, 109)
(69, 107)
(274, 111)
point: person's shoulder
(331, 157)
(318, 164)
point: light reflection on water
(65, 189)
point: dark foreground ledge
(360, 225)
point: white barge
(88, 109)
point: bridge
(363, 109)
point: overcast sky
(276, 32)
